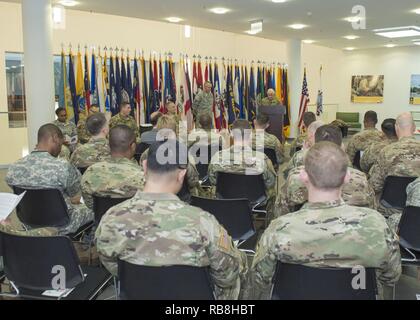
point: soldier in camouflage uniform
(203, 103)
(118, 176)
(413, 194)
(42, 170)
(261, 123)
(397, 159)
(68, 129)
(326, 232)
(155, 228)
(308, 118)
(370, 155)
(124, 118)
(271, 99)
(298, 158)
(357, 192)
(205, 135)
(362, 140)
(97, 149)
(166, 127)
(241, 159)
(82, 131)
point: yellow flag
(80, 85)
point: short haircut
(166, 157)
(166, 122)
(241, 127)
(154, 118)
(388, 128)
(120, 138)
(47, 131)
(57, 112)
(262, 119)
(329, 133)
(208, 82)
(326, 165)
(124, 103)
(371, 117)
(314, 126)
(205, 120)
(308, 118)
(95, 123)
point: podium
(276, 115)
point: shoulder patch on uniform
(224, 239)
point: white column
(39, 68)
(294, 57)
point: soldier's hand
(76, 199)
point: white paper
(418, 296)
(8, 202)
(57, 293)
(73, 140)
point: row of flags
(106, 81)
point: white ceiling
(324, 17)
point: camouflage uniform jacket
(127, 121)
(357, 192)
(82, 132)
(331, 234)
(68, 128)
(371, 153)
(397, 159)
(96, 150)
(362, 140)
(203, 103)
(244, 160)
(413, 193)
(115, 177)
(298, 142)
(40, 170)
(297, 160)
(267, 102)
(270, 142)
(161, 230)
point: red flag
(304, 100)
(199, 75)
(195, 80)
(206, 73)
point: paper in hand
(8, 202)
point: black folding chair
(271, 154)
(102, 204)
(35, 264)
(409, 235)
(298, 282)
(138, 282)
(241, 186)
(184, 194)
(356, 160)
(202, 161)
(235, 215)
(82, 170)
(45, 208)
(394, 194)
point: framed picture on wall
(415, 89)
(367, 89)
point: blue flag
(72, 84)
(118, 82)
(112, 89)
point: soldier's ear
(144, 165)
(347, 177)
(303, 177)
(181, 175)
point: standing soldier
(203, 103)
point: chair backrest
(102, 204)
(298, 282)
(409, 228)
(42, 208)
(164, 283)
(82, 170)
(239, 186)
(234, 215)
(32, 262)
(184, 194)
(202, 165)
(394, 193)
(141, 148)
(271, 154)
(356, 160)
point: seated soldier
(82, 131)
(356, 192)
(298, 157)
(241, 159)
(262, 122)
(155, 228)
(413, 194)
(118, 176)
(167, 130)
(308, 118)
(326, 232)
(149, 137)
(124, 118)
(397, 159)
(43, 170)
(362, 140)
(205, 135)
(69, 131)
(371, 153)
(97, 149)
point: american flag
(304, 100)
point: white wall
(105, 30)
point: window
(15, 84)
